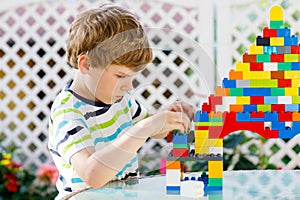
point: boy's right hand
(159, 125)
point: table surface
(237, 185)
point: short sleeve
(70, 136)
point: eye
(121, 76)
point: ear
(83, 64)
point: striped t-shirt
(77, 123)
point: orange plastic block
(234, 75)
(236, 108)
(215, 115)
(173, 165)
(222, 91)
(296, 116)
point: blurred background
(195, 44)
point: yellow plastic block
(276, 13)
(295, 99)
(291, 91)
(277, 41)
(292, 74)
(256, 49)
(295, 82)
(242, 100)
(215, 169)
(215, 142)
(202, 150)
(242, 66)
(257, 75)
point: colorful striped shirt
(77, 123)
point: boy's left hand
(180, 106)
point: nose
(127, 84)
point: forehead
(121, 69)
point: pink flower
(47, 173)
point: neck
(78, 86)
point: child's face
(111, 83)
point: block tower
(260, 95)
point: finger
(176, 107)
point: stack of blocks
(261, 95)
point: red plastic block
(257, 100)
(285, 116)
(206, 107)
(256, 66)
(257, 114)
(295, 49)
(201, 127)
(170, 137)
(269, 32)
(277, 58)
(249, 58)
(180, 152)
(278, 107)
(283, 83)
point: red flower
(47, 173)
(11, 183)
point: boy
(96, 127)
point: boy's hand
(180, 106)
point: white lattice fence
(34, 69)
(238, 24)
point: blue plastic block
(197, 116)
(250, 108)
(270, 49)
(209, 189)
(204, 117)
(291, 41)
(284, 32)
(257, 92)
(229, 83)
(242, 117)
(286, 134)
(180, 139)
(271, 100)
(295, 65)
(291, 107)
(175, 190)
(278, 125)
(271, 116)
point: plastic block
(257, 100)
(277, 41)
(269, 32)
(221, 91)
(276, 13)
(257, 92)
(173, 177)
(291, 58)
(249, 58)
(291, 91)
(270, 66)
(283, 49)
(180, 139)
(256, 66)
(237, 92)
(277, 108)
(270, 50)
(295, 66)
(284, 100)
(235, 75)
(229, 83)
(263, 108)
(291, 108)
(290, 41)
(277, 75)
(296, 99)
(283, 83)
(250, 108)
(295, 49)
(215, 181)
(243, 83)
(243, 100)
(243, 117)
(284, 66)
(262, 41)
(172, 164)
(180, 152)
(296, 116)
(284, 32)
(270, 100)
(277, 58)
(285, 116)
(215, 169)
(242, 66)
(276, 24)
(277, 91)
(263, 58)
(192, 189)
(256, 49)
(236, 108)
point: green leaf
(232, 141)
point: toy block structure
(261, 95)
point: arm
(96, 168)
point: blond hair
(109, 34)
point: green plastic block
(290, 57)
(215, 181)
(264, 108)
(263, 58)
(284, 66)
(182, 146)
(277, 92)
(264, 83)
(276, 24)
(236, 92)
